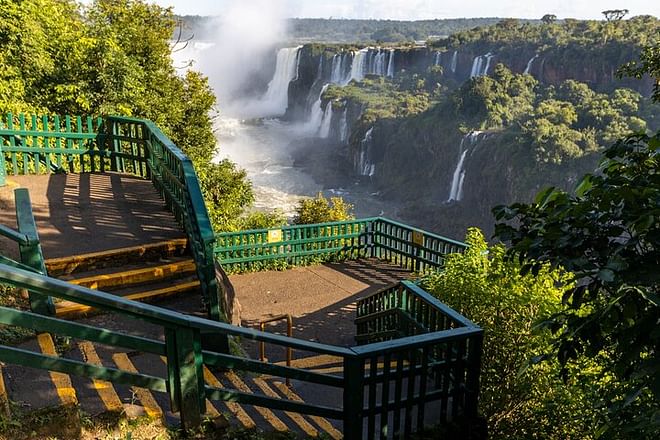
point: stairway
(149, 272)
(35, 389)
(141, 273)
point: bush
(322, 210)
(519, 398)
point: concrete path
(82, 213)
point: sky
(426, 9)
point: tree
(608, 236)
(549, 18)
(615, 14)
(519, 401)
(322, 210)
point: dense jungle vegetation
(113, 57)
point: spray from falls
(458, 177)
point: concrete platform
(82, 213)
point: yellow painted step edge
(136, 276)
(67, 309)
(147, 399)
(298, 419)
(62, 381)
(234, 407)
(5, 410)
(266, 413)
(105, 389)
(61, 263)
(322, 423)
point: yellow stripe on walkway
(320, 421)
(61, 381)
(234, 407)
(105, 389)
(4, 398)
(297, 418)
(210, 409)
(267, 414)
(144, 395)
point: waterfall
(478, 67)
(343, 127)
(489, 56)
(363, 164)
(454, 61)
(437, 58)
(377, 63)
(357, 66)
(390, 64)
(286, 70)
(336, 72)
(324, 130)
(529, 63)
(316, 115)
(458, 178)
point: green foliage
(322, 210)
(607, 234)
(519, 400)
(648, 64)
(113, 57)
(263, 220)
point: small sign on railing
(418, 238)
(274, 236)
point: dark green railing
(386, 386)
(377, 237)
(413, 350)
(41, 144)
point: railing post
(3, 179)
(185, 376)
(353, 397)
(31, 254)
(472, 379)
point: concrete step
(69, 309)
(116, 257)
(137, 276)
(98, 397)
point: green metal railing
(377, 237)
(413, 350)
(42, 144)
(397, 379)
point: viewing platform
(108, 246)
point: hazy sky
(423, 9)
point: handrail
(289, 333)
(14, 235)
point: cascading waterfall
(286, 70)
(324, 130)
(363, 164)
(458, 178)
(357, 66)
(480, 65)
(336, 72)
(343, 127)
(489, 56)
(390, 64)
(316, 115)
(454, 62)
(376, 64)
(529, 63)
(437, 58)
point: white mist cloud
(244, 39)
